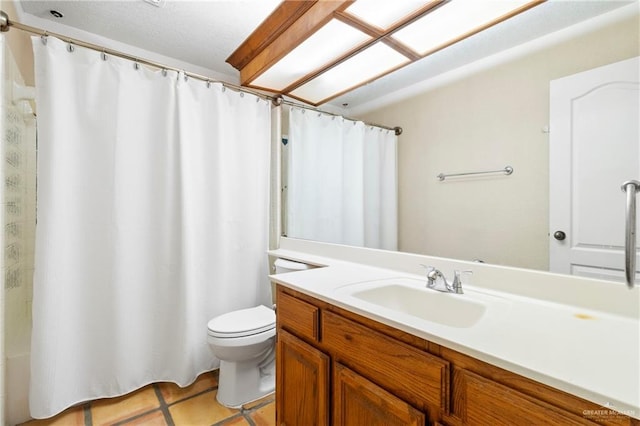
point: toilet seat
(243, 322)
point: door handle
(559, 235)
(631, 187)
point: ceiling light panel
(453, 21)
(384, 13)
(331, 42)
(315, 50)
(361, 68)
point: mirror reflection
(341, 181)
(498, 112)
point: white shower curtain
(152, 219)
(342, 181)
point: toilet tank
(283, 265)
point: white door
(594, 148)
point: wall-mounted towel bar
(507, 171)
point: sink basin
(410, 297)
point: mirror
(485, 116)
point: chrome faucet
(433, 274)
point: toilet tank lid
(290, 264)
(243, 321)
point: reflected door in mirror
(594, 147)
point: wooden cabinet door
(302, 383)
(357, 402)
(489, 403)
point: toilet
(244, 341)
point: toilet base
(243, 382)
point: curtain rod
(397, 130)
(277, 100)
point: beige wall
(485, 121)
(20, 44)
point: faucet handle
(431, 280)
(429, 268)
(457, 273)
(457, 281)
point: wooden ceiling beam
(288, 26)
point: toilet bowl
(244, 341)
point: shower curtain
(342, 181)
(152, 219)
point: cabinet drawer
(300, 318)
(415, 376)
(487, 402)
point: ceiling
(204, 33)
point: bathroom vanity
(337, 367)
(341, 363)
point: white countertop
(593, 354)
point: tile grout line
(238, 415)
(195, 395)
(248, 418)
(88, 418)
(164, 407)
(246, 413)
(260, 405)
(133, 417)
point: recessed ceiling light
(56, 14)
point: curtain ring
(44, 38)
(136, 66)
(104, 56)
(70, 47)
(186, 77)
(208, 84)
(242, 94)
(164, 72)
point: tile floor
(167, 404)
